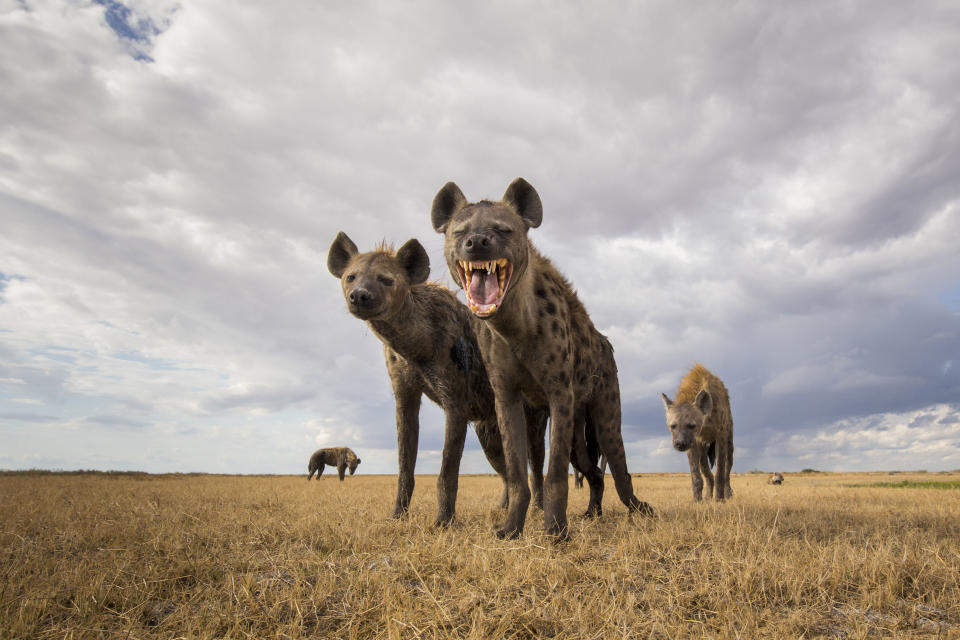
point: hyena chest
(708, 433)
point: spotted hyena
(775, 478)
(701, 424)
(430, 348)
(539, 346)
(339, 457)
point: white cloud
(719, 186)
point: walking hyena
(701, 424)
(339, 457)
(539, 345)
(430, 348)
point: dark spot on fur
(540, 292)
(555, 327)
(462, 354)
(393, 358)
(551, 308)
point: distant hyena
(339, 457)
(775, 478)
(430, 348)
(701, 424)
(578, 477)
(540, 346)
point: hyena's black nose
(477, 242)
(360, 297)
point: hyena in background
(539, 346)
(775, 478)
(430, 348)
(578, 477)
(701, 424)
(339, 457)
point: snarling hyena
(539, 345)
(775, 478)
(430, 348)
(340, 457)
(701, 424)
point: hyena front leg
(408, 434)
(704, 458)
(513, 431)
(454, 436)
(693, 457)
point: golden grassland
(201, 556)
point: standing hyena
(775, 478)
(701, 424)
(340, 457)
(430, 348)
(539, 345)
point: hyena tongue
(484, 287)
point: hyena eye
(385, 281)
(691, 426)
(350, 278)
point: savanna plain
(110, 555)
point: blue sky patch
(134, 31)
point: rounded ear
(526, 202)
(340, 253)
(447, 202)
(667, 402)
(414, 260)
(704, 402)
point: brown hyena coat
(701, 424)
(339, 457)
(539, 345)
(775, 478)
(430, 348)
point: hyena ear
(526, 201)
(667, 402)
(704, 402)
(447, 202)
(414, 260)
(340, 253)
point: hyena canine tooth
(701, 424)
(342, 458)
(430, 348)
(540, 346)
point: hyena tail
(712, 454)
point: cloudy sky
(772, 189)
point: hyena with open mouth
(539, 346)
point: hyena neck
(516, 320)
(404, 330)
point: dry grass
(86, 556)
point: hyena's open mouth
(485, 283)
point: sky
(768, 188)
